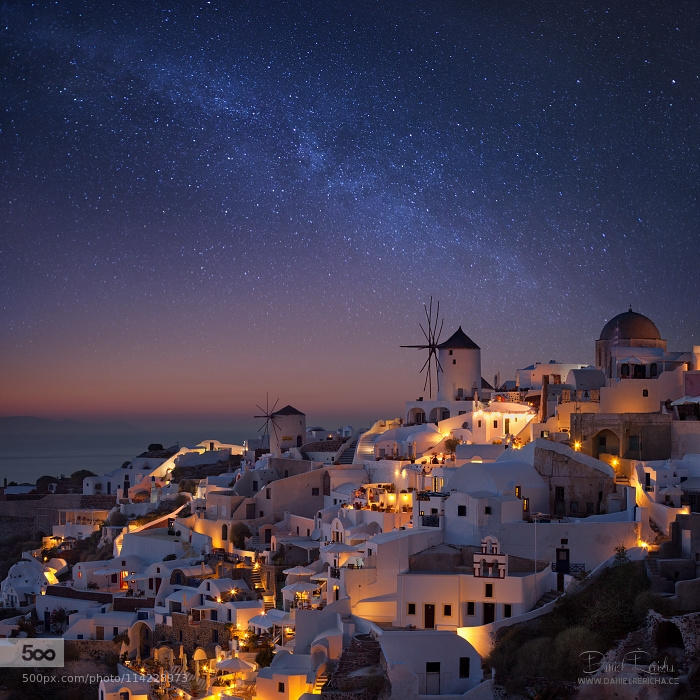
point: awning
(685, 400)
(300, 587)
(299, 571)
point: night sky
(202, 202)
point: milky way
(262, 194)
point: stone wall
(91, 649)
(583, 484)
(192, 634)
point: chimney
(543, 398)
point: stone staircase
(365, 445)
(255, 544)
(256, 580)
(363, 653)
(321, 680)
(268, 602)
(348, 454)
(547, 597)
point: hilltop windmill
(270, 421)
(432, 337)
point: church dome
(628, 326)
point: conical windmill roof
(459, 340)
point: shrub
(264, 657)
(568, 647)
(117, 519)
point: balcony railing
(575, 568)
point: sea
(29, 450)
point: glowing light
(614, 461)
(577, 445)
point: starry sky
(205, 201)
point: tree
(189, 485)
(81, 474)
(43, 482)
(238, 533)
(264, 656)
(451, 445)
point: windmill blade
(437, 339)
(275, 405)
(420, 347)
(427, 335)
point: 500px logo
(32, 652)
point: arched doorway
(140, 640)
(439, 413)
(416, 416)
(606, 442)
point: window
(411, 609)
(124, 695)
(115, 631)
(462, 511)
(280, 687)
(645, 392)
(507, 610)
(447, 610)
(478, 424)
(518, 491)
(454, 362)
(653, 370)
(314, 491)
(488, 590)
(432, 667)
(262, 513)
(495, 424)
(464, 667)
(487, 510)
(267, 494)
(526, 504)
